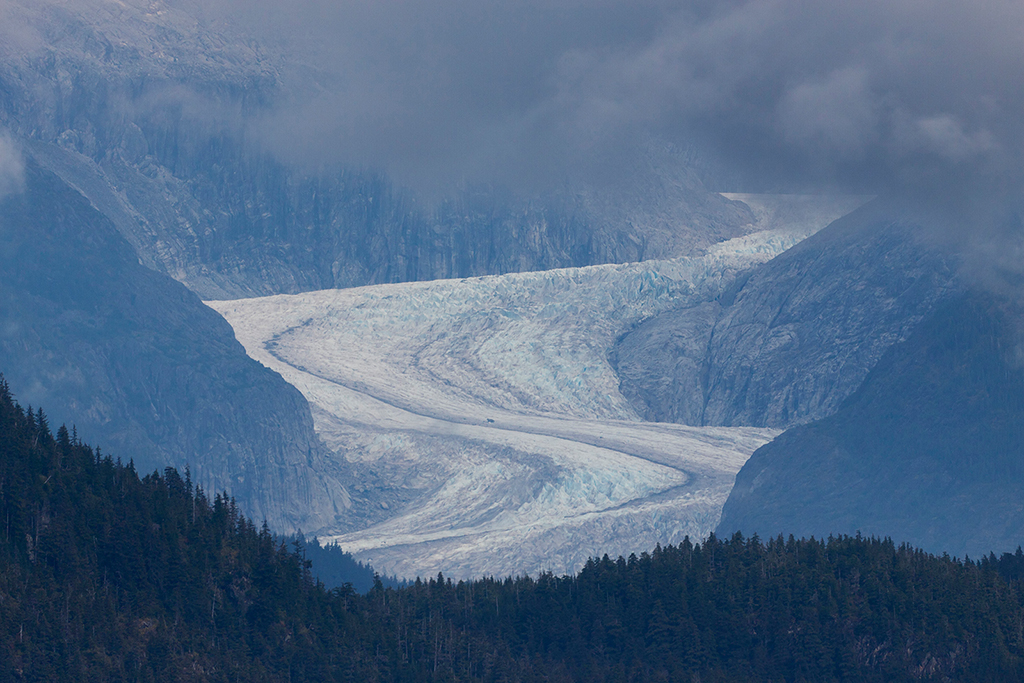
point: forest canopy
(109, 576)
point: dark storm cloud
(865, 94)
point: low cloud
(865, 95)
(836, 114)
(17, 35)
(868, 96)
(946, 137)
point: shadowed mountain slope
(928, 450)
(138, 363)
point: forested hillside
(108, 577)
(332, 566)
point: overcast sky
(864, 94)
(861, 95)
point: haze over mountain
(154, 112)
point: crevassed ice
(488, 415)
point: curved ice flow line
(423, 359)
(624, 466)
(546, 439)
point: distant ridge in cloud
(865, 95)
(868, 96)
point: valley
(460, 341)
(483, 418)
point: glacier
(482, 421)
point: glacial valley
(483, 422)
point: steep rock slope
(788, 343)
(141, 366)
(928, 449)
(149, 110)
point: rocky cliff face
(796, 336)
(148, 111)
(928, 449)
(142, 367)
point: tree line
(109, 576)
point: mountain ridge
(789, 341)
(927, 450)
(137, 361)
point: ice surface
(488, 420)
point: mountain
(796, 335)
(137, 362)
(927, 450)
(542, 398)
(153, 111)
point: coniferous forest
(334, 567)
(109, 576)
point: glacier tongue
(486, 422)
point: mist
(789, 95)
(908, 97)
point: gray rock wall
(795, 336)
(142, 368)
